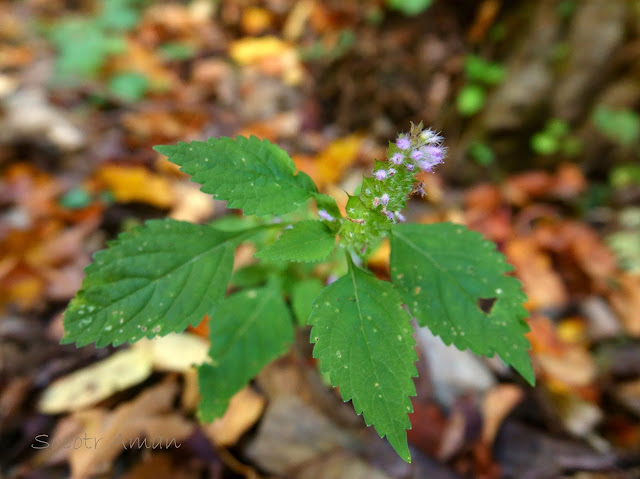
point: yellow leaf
(136, 183)
(94, 383)
(247, 51)
(176, 352)
(337, 158)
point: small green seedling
(165, 275)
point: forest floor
(538, 102)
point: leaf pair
(361, 327)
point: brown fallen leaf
(146, 422)
(626, 302)
(543, 285)
(568, 181)
(497, 405)
(160, 466)
(244, 410)
(523, 188)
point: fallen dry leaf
(543, 285)
(146, 422)
(96, 382)
(244, 410)
(626, 302)
(175, 352)
(271, 55)
(497, 405)
(521, 189)
(136, 183)
(191, 204)
(336, 158)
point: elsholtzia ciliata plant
(163, 276)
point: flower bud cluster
(383, 196)
(418, 150)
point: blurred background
(539, 102)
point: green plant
(84, 44)
(481, 75)
(409, 7)
(162, 276)
(481, 153)
(555, 138)
(620, 126)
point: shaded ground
(539, 104)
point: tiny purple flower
(325, 216)
(380, 175)
(391, 171)
(403, 143)
(409, 167)
(417, 155)
(384, 199)
(400, 217)
(390, 215)
(426, 165)
(435, 153)
(397, 159)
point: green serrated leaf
(156, 279)
(444, 271)
(306, 241)
(251, 174)
(248, 331)
(327, 203)
(302, 295)
(364, 341)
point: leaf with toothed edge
(248, 331)
(305, 241)
(363, 339)
(443, 272)
(251, 174)
(155, 279)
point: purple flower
(400, 217)
(409, 167)
(434, 152)
(417, 155)
(380, 175)
(397, 159)
(325, 216)
(426, 165)
(391, 171)
(403, 143)
(389, 215)
(384, 199)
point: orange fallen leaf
(135, 183)
(334, 160)
(256, 20)
(543, 285)
(244, 410)
(497, 405)
(138, 424)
